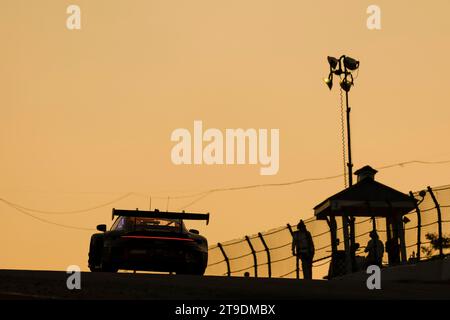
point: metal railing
(269, 254)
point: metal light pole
(343, 68)
(349, 144)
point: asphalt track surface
(23, 284)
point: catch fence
(269, 254)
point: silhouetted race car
(149, 241)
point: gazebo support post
(419, 226)
(333, 233)
(331, 221)
(389, 240)
(399, 233)
(348, 254)
(402, 239)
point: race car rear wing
(159, 214)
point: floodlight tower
(343, 68)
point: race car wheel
(109, 267)
(191, 272)
(95, 253)
(196, 263)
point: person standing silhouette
(375, 250)
(303, 248)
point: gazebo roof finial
(366, 172)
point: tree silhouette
(433, 246)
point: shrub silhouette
(433, 246)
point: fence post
(297, 265)
(227, 261)
(269, 264)
(438, 209)
(255, 260)
(419, 225)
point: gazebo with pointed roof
(366, 198)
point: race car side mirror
(101, 227)
(194, 231)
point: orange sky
(86, 115)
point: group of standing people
(303, 249)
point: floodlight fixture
(329, 81)
(351, 63)
(346, 84)
(342, 66)
(333, 62)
